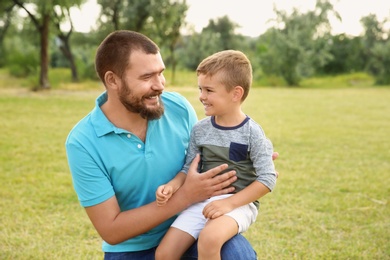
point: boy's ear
(238, 92)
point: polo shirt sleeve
(90, 182)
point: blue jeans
(237, 248)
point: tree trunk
(44, 31)
(66, 51)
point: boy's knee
(208, 240)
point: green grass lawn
(331, 201)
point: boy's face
(215, 98)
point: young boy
(226, 135)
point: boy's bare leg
(174, 244)
(214, 235)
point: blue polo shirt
(107, 161)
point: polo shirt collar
(100, 122)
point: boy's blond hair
(235, 68)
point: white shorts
(192, 221)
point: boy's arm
(165, 191)
(176, 182)
(251, 193)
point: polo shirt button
(139, 146)
(128, 135)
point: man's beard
(136, 105)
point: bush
(380, 63)
(22, 62)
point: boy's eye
(205, 90)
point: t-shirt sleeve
(261, 156)
(192, 150)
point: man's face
(143, 84)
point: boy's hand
(163, 193)
(216, 209)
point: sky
(253, 15)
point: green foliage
(373, 30)
(380, 63)
(298, 45)
(57, 59)
(377, 48)
(347, 56)
(118, 15)
(167, 20)
(353, 80)
(84, 50)
(6, 14)
(22, 59)
(85, 61)
(224, 29)
(296, 48)
(268, 81)
(21, 51)
(218, 35)
(197, 47)
(86, 68)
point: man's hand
(204, 185)
(201, 186)
(275, 155)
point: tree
(167, 20)
(62, 14)
(40, 18)
(380, 65)
(6, 8)
(224, 29)
(196, 47)
(218, 35)
(161, 20)
(41, 14)
(376, 44)
(299, 43)
(347, 55)
(118, 14)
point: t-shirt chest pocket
(238, 152)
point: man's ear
(112, 80)
(238, 92)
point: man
(134, 140)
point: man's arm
(115, 226)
